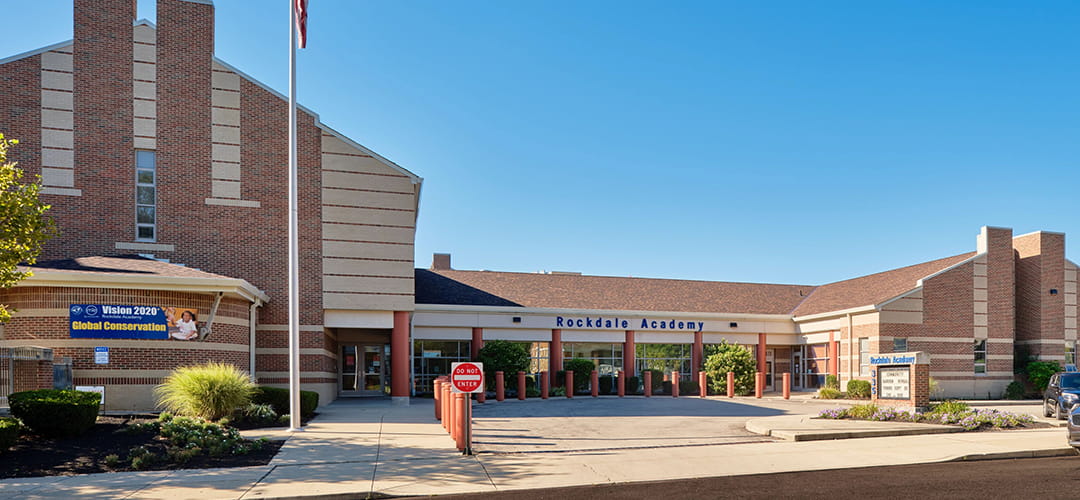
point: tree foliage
(24, 226)
(731, 358)
(503, 356)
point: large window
(608, 358)
(817, 365)
(145, 196)
(980, 356)
(1070, 353)
(432, 358)
(864, 357)
(664, 357)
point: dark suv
(1062, 395)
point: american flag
(301, 21)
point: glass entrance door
(769, 354)
(796, 369)
(364, 370)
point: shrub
(862, 411)
(255, 415)
(689, 388)
(582, 372)
(560, 379)
(665, 387)
(731, 358)
(633, 385)
(858, 389)
(1039, 373)
(532, 392)
(278, 399)
(9, 433)
(950, 406)
(832, 382)
(1015, 390)
(557, 391)
(184, 433)
(829, 393)
(211, 391)
(503, 356)
(112, 460)
(53, 412)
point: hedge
(9, 433)
(53, 412)
(858, 389)
(278, 398)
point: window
(432, 358)
(864, 357)
(1070, 352)
(980, 356)
(899, 345)
(145, 196)
(664, 357)
(608, 358)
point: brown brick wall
(20, 111)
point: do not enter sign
(467, 377)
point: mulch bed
(34, 456)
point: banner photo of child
(182, 323)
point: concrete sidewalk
(356, 448)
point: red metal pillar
(787, 385)
(628, 352)
(500, 387)
(477, 343)
(622, 384)
(594, 381)
(460, 400)
(730, 384)
(555, 351)
(647, 383)
(759, 384)
(544, 384)
(569, 383)
(702, 388)
(399, 359)
(697, 353)
(447, 413)
(674, 384)
(761, 352)
(521, 386)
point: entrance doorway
(365, 370)
(769, 363)
(796, 369)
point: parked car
(1062, 395)
(1074, 428)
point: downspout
(252, 315)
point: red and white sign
(467, 377)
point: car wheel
(1058, 412)
(1046, 408)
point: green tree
(582, 369)
(731, 358)
(24, 226)
(503, 356)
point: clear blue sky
(785, 141)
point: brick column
(399, 359)
(555, 351)
(628, 353)
(696, 361)
(477, 343)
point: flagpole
(294, 247)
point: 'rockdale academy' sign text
(624, 324)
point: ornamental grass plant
(211, 391)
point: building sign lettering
(600, 322)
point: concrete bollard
(569, 384)
(481, 397)
(622, 383)
(451, 413)
(438, 399)
(648, 383)
(521, 386)
(674, 384)
(544, 384)
(787, 385)
(460, 400)
(730, 384)
(759, 384)
(446, 412)
(701, 379)
(594, 381)
(500, 387)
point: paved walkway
(354, 448)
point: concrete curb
(1067, 451)
(759, 426)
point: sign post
(467, 378)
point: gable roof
(565, 291)
(872, 289)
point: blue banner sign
(98, 321)
(893, 359)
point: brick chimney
(441, 262)
(1040, 293)
(997, 244)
